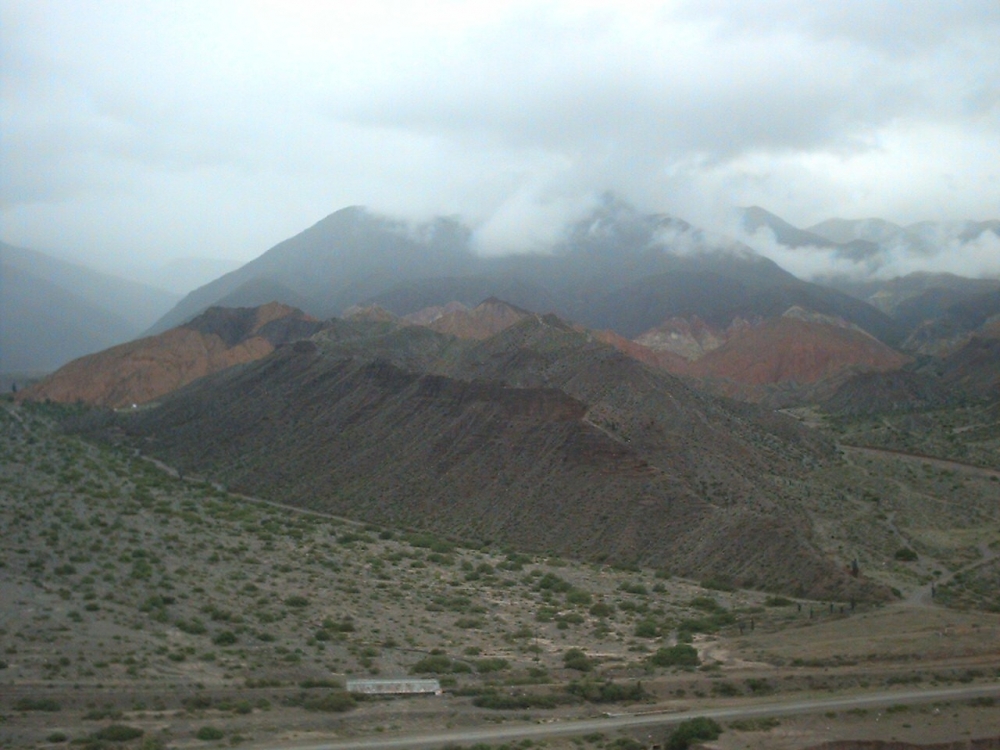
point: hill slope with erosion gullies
(539, 437)
(148, 368)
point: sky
(136, 132)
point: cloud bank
(218, 128)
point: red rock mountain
(148, 368)
(798, 348)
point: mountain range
(481, 438)
(52, 311)
(621, 387)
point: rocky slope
(143, 370)
(539, 436)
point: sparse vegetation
(136, 577)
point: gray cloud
(219, 128)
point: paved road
(658, 720)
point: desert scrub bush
(335, 701)
(778, 601)
(576, 659)
(602, 609)
(209, 734)
(905, 554)
(118, 733)
(693, 730)
(755, 725)
(629, 587)
(194, 626)
(647, 629)
(578, 597)
(607, 691)
(718, 584)
(309, 684)
(224, 638)
(99, 714)
(725, 689)
(496, 664)
(297, 601)
(439, 664)
(759, 686)
(518, 702)
(707, 624)
(681, 655)
(36, 704)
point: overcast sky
(212, 128)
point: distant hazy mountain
(139, 304)
(42, 325)
(854, 248)
(616, 269)
(343, 259)
(52, 311)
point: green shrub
(576, 659)
(778, 601)
(601, 609)
(336, 701)
(718, 584)
(435, 664)
(194, 626)
(552, 582)
(505, 702)
(647, 629)
(726, 689)
(36, 704)
(905, 554)
(209, 734)
(225, 638)
(607, 692)
(681, 655)
(754, 725)
(691, 731)
(496, 664)
(321, 683)
(56, 737)
(706, 604)
(296, 601)
(118, 733)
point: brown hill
(796, 348)
(485, 319)
(539, 437)
(145, 369)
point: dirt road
(651, 720)
(940, 463)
